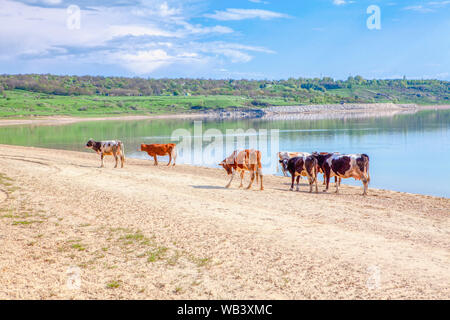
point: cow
(287, 155)
(155, 150)
(306, 164)
(241, 161)
(344, 166)
(108, 148)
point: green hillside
(22, 95)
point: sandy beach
(71, 230)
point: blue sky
(252, 39)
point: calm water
(408, 152)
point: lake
(408, 152)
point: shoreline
(278, 112)
(159, 232)
(277, 175)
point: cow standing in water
(344, 166)
(302, 165)
(108, 148)
(241, 161)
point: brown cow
(155, 150)
(241, 161)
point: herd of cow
(297, 164)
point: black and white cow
(344, 166)
(286, 155)
(297, 166)
(108, 148)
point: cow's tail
(366, 167)
(174, 154)
(258, 166)
(122, 149)
(278, 162)
(315, 170)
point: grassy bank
(15, 103)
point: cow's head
(90, 144)
(226, 166)
(142, 147)
(284, 163)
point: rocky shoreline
(319, 111)
(311, 112)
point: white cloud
(418, 8)
(241, 14)
(339, 2)
(141, 39)
(430, 6)
(144, 62)
(237, 53)
(136, 31)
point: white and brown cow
(344, 166)
(241, 161)
(286, 155)
(108, 148)
(297, 166)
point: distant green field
(25, 103)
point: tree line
(292, 88)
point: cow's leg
(261, 179)
(311, 182)
(170, 159)
(293, 179)
(327, 174)
(365, 183)
(155, 160)
(338, 183)
(122, 159)
(251, 180)
(116, 158)
(229, 183)
(174, 156)
(101, 157)
(298, 183)
(242, 178)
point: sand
(70, 230)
